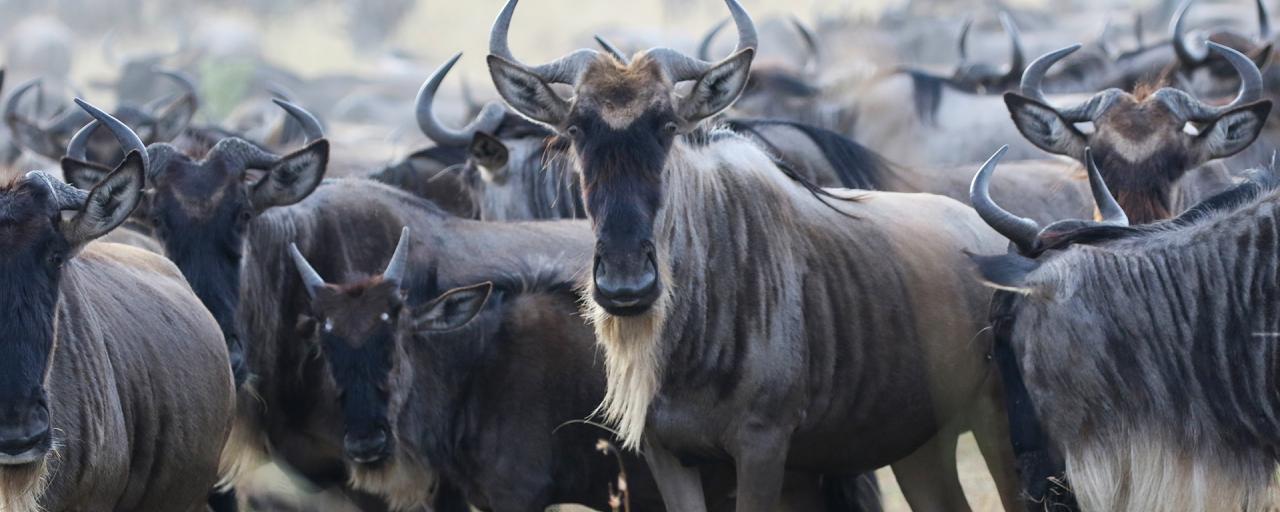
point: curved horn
(1017, 59)
(129, 141)
(1110, 210)
(813, 55)
(1190, 57)
(704, 46)
(1193, 109)
(1264, 21)
(399, 259)
(78, 147)
(65, 196)
(963, 43)
(311, 280)
(310, 125)
(15, 100)
(1021, 231)
(487, 121)
(183, 81)
(1137, 30)
(1034, 75)
(612, 50)
(564, 70)
(680, 67)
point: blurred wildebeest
(1141, 138)
(116, 393)
(160, 120)
(1149, 350)
(767, 376)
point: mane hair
(926, 94)
(722, 133)
(857, 166)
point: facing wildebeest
(1140, 139)
(1149, 351)
(482, 383)
(743, 354)
(107, 401)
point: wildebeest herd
(663, 280)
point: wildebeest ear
(293, 177)
(453, 309)
(1234, 130)
(490, 153)
(173, 118)
(1006, 272)
(716, 89)
(1042, 125)
(109, 203)
(83, 175)
(527, 93)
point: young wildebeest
(115, 393)
(1141, 139)
(735, 308)
(481, 384)
(1150, 351)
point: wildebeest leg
(760, 462)
(681, 486)
(990, 426)
(928, 476)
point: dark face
(201, 212)
(32, 251)
(622, 126)
(356, 327)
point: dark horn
(1108, 208)
(680, 67)
(813, 52)
(487, 121)
(66, 196)
(1021, 231)
(1250, 76)
(612, 50)
(704, 46)
(1034, 75)
(1017, 59)
(310, 125)
(564, 70)
(78, 147)
(1264, 21)
(962, 44)
(399, 259)
(1190, 57)
(311, 280)
(128, 140)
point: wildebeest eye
(573, 132)
(244, 217)
(670, 128)
(56, 260)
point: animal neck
(725, 217)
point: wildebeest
(1149, 350)
(115, 393)
(1140, 139)
(481, 384)
(160, 120)
(748, 354)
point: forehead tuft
(621, 94)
